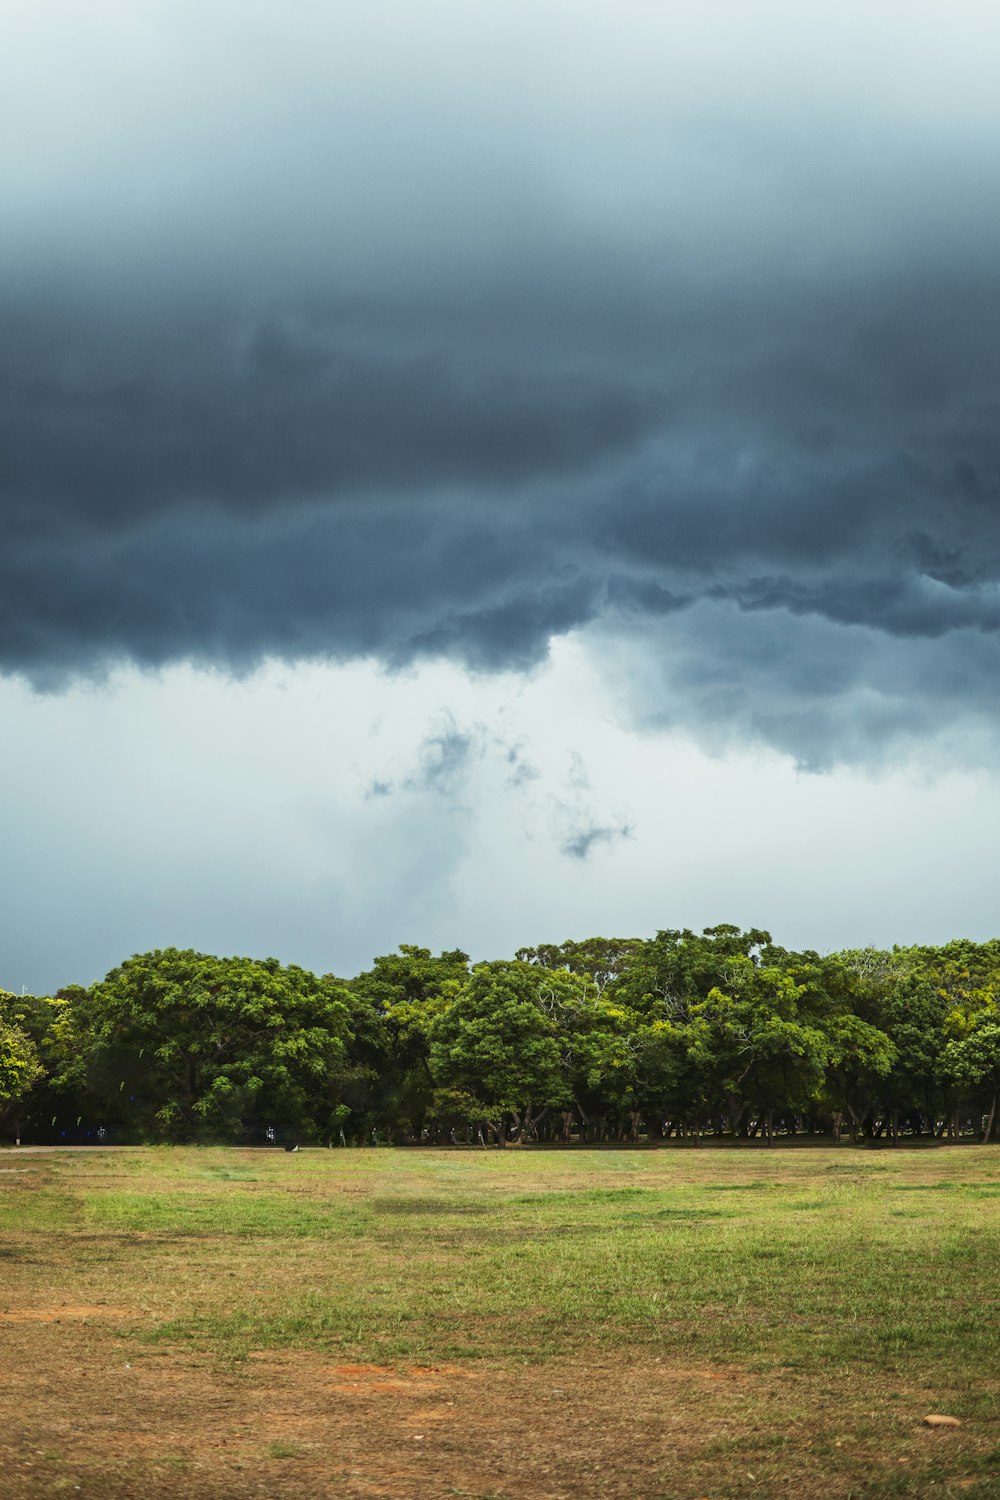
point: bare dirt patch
(82, 1413)
(116, 1422)
(366, 1379)
(57, 1314)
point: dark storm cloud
(723, 390)
(114, 416)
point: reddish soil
(85, 1413)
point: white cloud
(190, 809)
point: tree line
(721, 1034)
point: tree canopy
(187, 1046)
(711, 1034)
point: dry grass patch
(530, 1325)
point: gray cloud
(411, 374)
(581, 844)
(581, 825)
(452, 762)
(444, 759)
(449, 752)
(821, 692)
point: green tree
(186, 1046)
(895, 991)
(970, 1064)
(393, 1005)
(597, 1051)
(662, 977)
(497, 1044)
(20, 1067)
(859, 1059)
(602, 960)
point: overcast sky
(481, 474)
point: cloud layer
(397, 342)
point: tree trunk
(989, 1123)
(770, 1127)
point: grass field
(658, 1325)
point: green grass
(872, 1273)
(804, 1258)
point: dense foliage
(721, 1033)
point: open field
(644, 1324)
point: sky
(476, 475)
